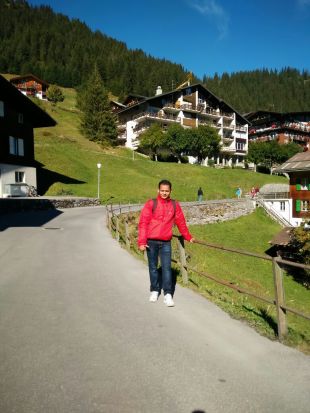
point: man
(200, 194)
(155, 232)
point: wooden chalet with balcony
(18, 117)
(282, 127)
(298, 169)
(31, 85)
(189, 106)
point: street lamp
(99, 167)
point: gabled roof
(206, 91)
(253, 115)
(36, 116)
(37, 79)
(298, 163)
(132, 96)
(283, 237)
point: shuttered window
(298, 205)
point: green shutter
(298, 187)
(309, 186)
(298, 205)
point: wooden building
(282, 127)
(189, 106)
(30, 85)
(18, 117)
(298, 169)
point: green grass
(62, 149)
(250, 273)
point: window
(19, 176)
(305, 206)
(304, 183)
(16, 146)
(239, 146)
(282, 206)
(1, 108)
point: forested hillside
(63, 51)
(286, 90)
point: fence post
(279, 298)
(183, 260)
(127, 238)
(117, 227)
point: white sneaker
(154, 296)
(168, 300)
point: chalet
(282, 127)
(18, 116)
(298, 169)
(188, 106)
(30, 85)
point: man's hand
(192, 240)
(143, 247)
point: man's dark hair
(165, 182)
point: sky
(204, 36)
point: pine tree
(54, 94)
(97, 120)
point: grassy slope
(249, 273)
(62, 149)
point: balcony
(228, 138)
(241, 128)
(140, 117)
(228, 126)
(189, 122)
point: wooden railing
(113, 214)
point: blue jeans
(160, 249)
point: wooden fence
(113, 222)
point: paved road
(78, 334)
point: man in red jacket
(155, 233)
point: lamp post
(99, 167)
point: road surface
(78, 334)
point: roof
(274, 188)
(36, 116)
(132, 96)
(221, 102)
(37, 79)
(283, 237)
(251, 116)
(298, 163)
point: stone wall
(211, 212)
(43, 203)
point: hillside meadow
(70, 163)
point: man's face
(164, 191)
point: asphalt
(78, 334)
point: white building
(189, 106)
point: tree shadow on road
(28, 218)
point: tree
(256, 153)
(271, 153)
(202, 142)
(175, 140)
(299, 247)
(152, 140)
(54, 94)
(98, 123)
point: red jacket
(159, 225)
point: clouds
(303, 3)
(213, 10)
